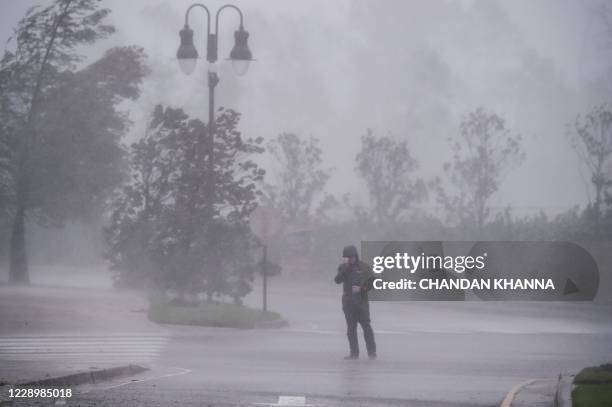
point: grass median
(593, 387)
(217, 314)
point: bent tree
(161, 232)
(591, 138)
(483, 153)
(298, 190)
(60, 128)
(388, 168)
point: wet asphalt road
(420, 369)
(430, 354)
(241, 368)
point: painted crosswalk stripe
(98, 349)
(290, 401)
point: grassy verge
(592, 395)
(208, 314)
(593, 387)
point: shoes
(372, 356)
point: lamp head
(187, 54)
(241, 55)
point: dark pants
(358, 312)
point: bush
(217, 314)
(595, 375)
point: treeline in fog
(176, 205)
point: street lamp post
(187, 56)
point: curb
(75, 379)
(563, 395)
(277, 323)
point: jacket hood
(350, 251)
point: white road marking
(76, 340)
(88, 358)
(88, 349)
(76, 349)
(290, 401)
(507, 401)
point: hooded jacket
(355, 274)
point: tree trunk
(18, 272)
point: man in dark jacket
(356, 278)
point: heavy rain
(197, 201)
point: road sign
(265, 222)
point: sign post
(264, 272)
(264, 224)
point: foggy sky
(333, 69)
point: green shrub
(208, 314)
(595, 375)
